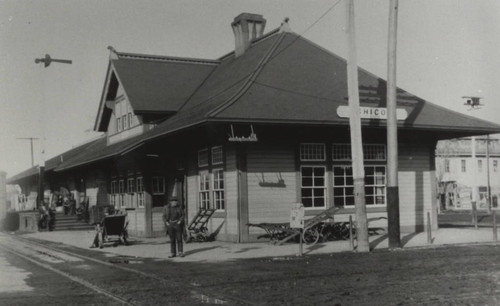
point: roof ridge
(251, 78)
(166, 58)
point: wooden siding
(272, 187)
(192, 197)
(230, 228)
(158, 226)
(415, 186)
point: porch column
(148, 214)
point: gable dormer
(143, 90)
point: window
(375, 185)
(217, 155)
(121, 191)
(447, 165)
(204, 190)
(312, 151)
(112, 196)
(343, 185)
(203, 158)
(313, 186)
(479, 165)
(140, 191)
(130, 123)
(158, 185)
(464, 168)
(131, 185)
(371, 152)
(495, 166)
(124, 122)
(218, 189)
(119, 124)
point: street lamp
(46, 61)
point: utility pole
(392, 133)
(41, 175)
(358, 171)
(488, 172)
(31, 142)
(474, 170)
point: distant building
(249, 135)
(458, 172)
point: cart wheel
(310, 236)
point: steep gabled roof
(304, 83)
(281, 78)
(152, 84)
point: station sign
(371, 112)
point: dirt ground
(450, 275)
(466, 275)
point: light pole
(46, 61)
(31, 142)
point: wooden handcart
(197, 230)
(112, 225)
(280, 233)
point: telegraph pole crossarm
(47, 60)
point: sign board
(297, 216)
(371, 112)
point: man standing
(173, 217)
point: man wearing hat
(173, 217)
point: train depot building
(249, 134)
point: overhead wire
(273, 57)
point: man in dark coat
(173, 217)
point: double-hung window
(313, 186)
(204, 190)
(211, 178)
(218, 189)
(343, 185)
(375, 174)
(113, 191)
(121, 191)
(140, 191)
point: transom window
(158, 185)
(131, 185)
(203, 158)
(217, 155)
(343, 185)
(312, 151)
(313, 186)
(371, 152)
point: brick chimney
(246, 27)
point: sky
(446, 49)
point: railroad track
(203, 295)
